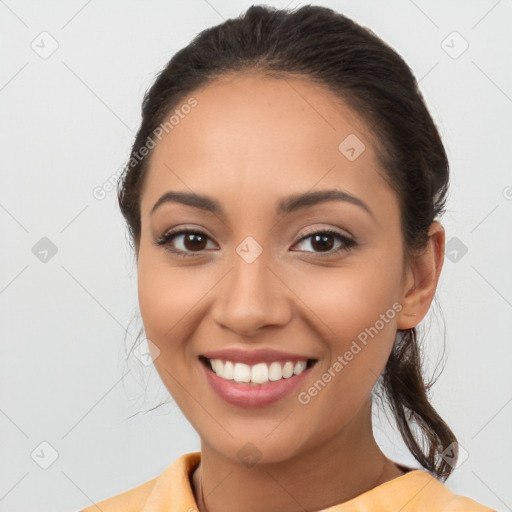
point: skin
(249, 142)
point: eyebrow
(285, 206)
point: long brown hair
(324, 46)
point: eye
(321, 240)
(193, 241)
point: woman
(282, 197)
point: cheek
(350, 298)
(167, 294)
(170, 302)
(357, 322)
(355, 310)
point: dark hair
(321, 45)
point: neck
(343, 467)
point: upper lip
(251, 357)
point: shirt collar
(412, 491)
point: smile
(248, 394)
(260, 373)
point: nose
(252, 296)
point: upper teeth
(257, 374)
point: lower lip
(251, 396)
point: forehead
(257, 137)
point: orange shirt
(415, 491)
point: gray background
(68, 119)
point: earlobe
(421, 279)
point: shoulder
(170, 488)
(426, 493)
(129, 501)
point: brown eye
(322, 242)
(188, 242)
(194, 242)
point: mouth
(272, 384)
(257, 374)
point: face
(257, 277)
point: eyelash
(164, 240)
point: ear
(420, 279)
